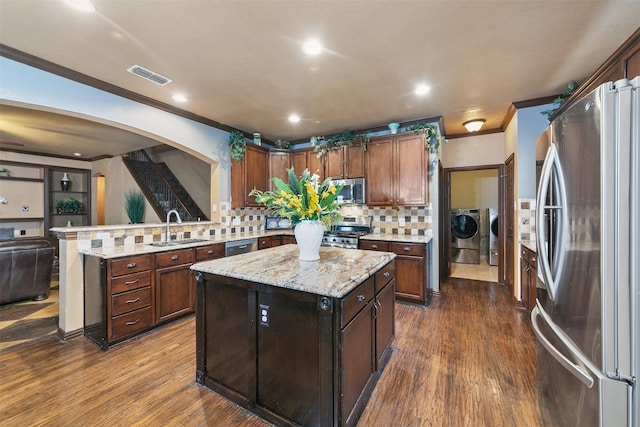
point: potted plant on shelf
(134, 206)
(4, 172)
(238, 144)
(69, 206)
(308, 203)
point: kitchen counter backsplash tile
(408, 221)
(527, 219)
(403, 221)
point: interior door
(508, 223)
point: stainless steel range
(346, 232)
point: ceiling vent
(149, 75)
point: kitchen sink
(177, 242)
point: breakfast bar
(296, 342)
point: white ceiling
(240, 63)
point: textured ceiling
(240, 63)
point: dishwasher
(240, 246)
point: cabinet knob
(374, 246)
(175, 257)
(131, 265)
(406, 249)
(361, 298)
(210, 252)
(386, 274)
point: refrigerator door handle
(575, 370)
(557, 237)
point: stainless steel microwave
(353, 190)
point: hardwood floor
(466, 360)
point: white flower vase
(308, 237)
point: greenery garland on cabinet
(335, 141)
(431, 133)
(238, 144)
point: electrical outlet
(264, 315)
(214, 208)
(236, 220)
(401, 221)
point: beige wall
(474, 189)
(474, 151)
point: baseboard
(65, 336)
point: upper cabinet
(307, 159)
(279, 161)
(247, 174)
(345, 162)
(397, 171)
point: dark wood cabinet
(268, 242)
(279, 162)
(175, 293)
(412, 260)
(205, 253)
(247, 174)
(345, 162)
(528, 277)
(307, 159)
(287, 239)
(298, 358)
(397, 171)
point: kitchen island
(298, 343)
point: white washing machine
(465, 236)
(492, 216)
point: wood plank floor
(466, 360)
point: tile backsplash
(527, 219)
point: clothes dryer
(465, 236)
(494, 226)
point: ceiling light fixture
(294, 118)
(474, 125)
(84, 6)
(312, 47)
(422, 89)
(178, 97)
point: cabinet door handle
(210, 252)
(131, 282)
(386, 274)
(374, 246)
(132, 323)
(533, 259)
(406, 249)
(175, 257)
(243, 247)
(361, 298)
(131, 265)
(131, 301)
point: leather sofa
(25, 269)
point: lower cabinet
(175, 293)
(528, 277)
(297, 358)
(126, 296)
(412, 260)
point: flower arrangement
(302, 199)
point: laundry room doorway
(472, 201)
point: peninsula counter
(296, 342)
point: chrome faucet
(179, 221)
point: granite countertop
(529, 244)
(147, 248)
(397, 238)
(336, 273)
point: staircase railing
(155, 186)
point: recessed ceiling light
(77, 154)
(294, 118)
(178, 97)
(422, 89)
(81, 5)
(312, 47)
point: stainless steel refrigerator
(586, 318)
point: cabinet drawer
(129, 301)
(168, 259)
(374, 245)
(130, 323)
(413, 249)
(533, 260)
(356, 300)
(205, 253)
(130, 265)
(385, 275)
(130, 282)
(265, 242)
